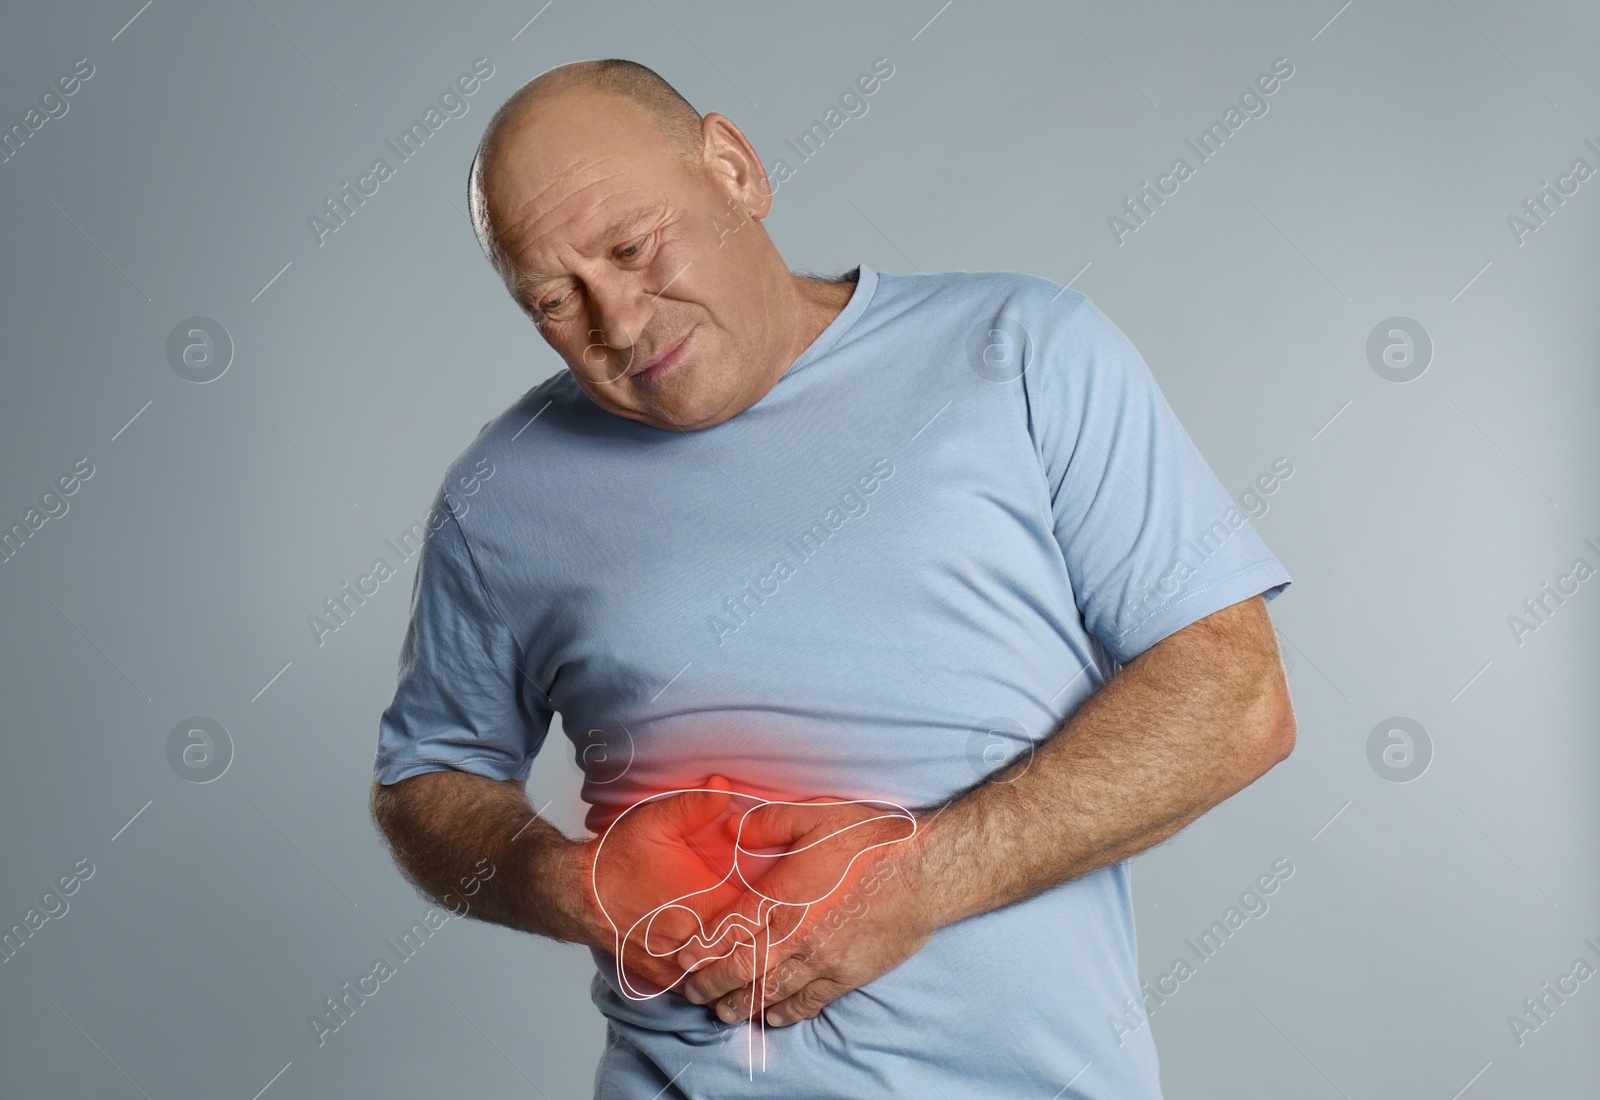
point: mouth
(653, 370)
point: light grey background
(1418, 518)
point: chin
(699, 411)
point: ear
(732, 161)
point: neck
(807, 305)
(820, 300)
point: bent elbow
(1284, 736)
(1267, 728)
(1276, 723)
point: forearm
(441, 824)
(1187, 724)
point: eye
(631, 250)
(556, 302)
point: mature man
(795, 538)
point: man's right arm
(439, 825)
(446, 828)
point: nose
(619, 310)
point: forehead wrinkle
(644, 208)
(588, 161)
(528, 208)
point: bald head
(669, 114)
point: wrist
(564, 873)
(901, 875)
(934, 876)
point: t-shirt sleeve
(1152, 541)
(460, 701)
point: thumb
(771, 825)
(692, 811)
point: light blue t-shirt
(951, 520)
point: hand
(655, 884)
(825, 919)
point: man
(797, 538)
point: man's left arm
(1191, 721)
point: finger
(819, 822)
(754, 918)
(641, 974)
(692, 923)
(778, 984)
(729, 965)
(651, 947)
(784, 957)
(772, 825)
(694, 810)
(807, 1004)
(665, 932)
(736, 960)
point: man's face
(647, 278)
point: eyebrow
(527, 281)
